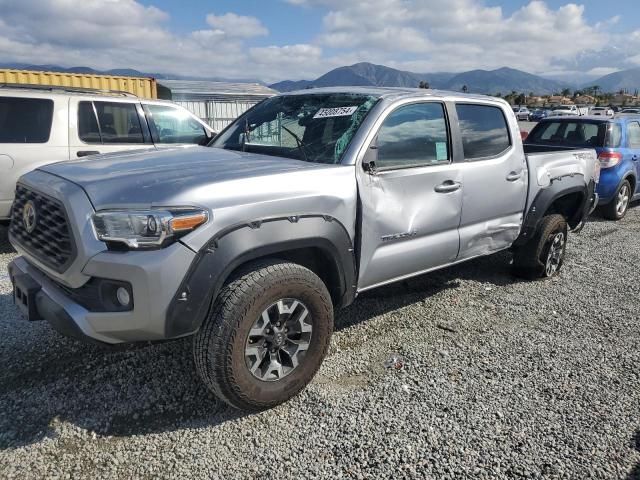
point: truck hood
(153, 178)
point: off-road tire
(611, 211)
(219, 345)
(529, 260)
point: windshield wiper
(301, 145)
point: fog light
(123, 296)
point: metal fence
(218, 114)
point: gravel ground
(501, 379)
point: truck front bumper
(153, 276)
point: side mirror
(371, 157)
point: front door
(495, 178)
(411, 201)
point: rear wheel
(266, 335)
(617, 208)
(543, 255)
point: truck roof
(393, 92)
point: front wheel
(266, 335)
(617, 208)
(543, 255)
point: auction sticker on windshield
(335, 112)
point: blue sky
(272, 40)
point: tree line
(520, 98)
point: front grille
(50, 241)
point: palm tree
(465, 89)
(424, 84)
(566, 92)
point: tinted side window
(633, 132)
(119, 122)
(88, 130)
(414, 135)
(25, 120)
(613, 136)
(567, 133)
(174, 125)
(484, 131)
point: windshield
(576, 134)
(311, 127)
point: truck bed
(549, 162)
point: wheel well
(315, 259)
(569, 206)
(632, 180)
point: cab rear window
(25, 120)
(576, 134)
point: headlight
(146, 229)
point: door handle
(86, 153)
(513, 176)
(448, 187)
(634, 158)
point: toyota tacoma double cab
(306, 200)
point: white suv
(40, 125)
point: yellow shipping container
(142, 87)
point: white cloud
(458, 34)
(602, 71)
(416, 35)
(237, 25)
(107, 34)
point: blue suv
(617, 142)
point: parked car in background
(40, 125)
(306, 200)
(538, 114)
(568, 110)
(522, 113)
(629, 111)
(617, 142)
(602, 112)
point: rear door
(633, 142)
(411, 202)
(494, 175)
(33, 132)
(103, 126)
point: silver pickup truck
(305, 201)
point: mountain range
(121, 72)
(502, 80)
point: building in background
(217, 103)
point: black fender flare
(251, 240)
(559, 188)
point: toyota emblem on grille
(29, 216)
